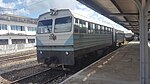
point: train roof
(89, 19)
(79, 16)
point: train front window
(63, 24)
(44, 26)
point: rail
(29, 76)
(41, 74)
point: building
(16, 29)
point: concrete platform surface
(122, 66)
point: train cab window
(44, 26)
(63, 24)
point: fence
(5, 49)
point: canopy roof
(123, 12)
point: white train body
(62, 36)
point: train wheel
(51, 62)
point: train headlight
(41, 52)
(67, 53)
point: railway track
(16, 58)
(17, 54)
(42, 77)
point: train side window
(149, 26)
(96, 29)
(107, 30)
(99, 29)
(76, 26)
(110, 30)
(86, 23)
(76, 21)
(93, 27)
(82, 24)
(104, 29)
(90, 27)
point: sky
(33, 8)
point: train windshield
(45, 26)
(63, 24)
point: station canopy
(123, 12)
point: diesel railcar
(62, 36)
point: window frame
(41, 29)
(3, 27)
(63, 31)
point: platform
(122, 66)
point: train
(129, 36)
(64, 36)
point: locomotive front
(54, 38)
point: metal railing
(13, 48)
